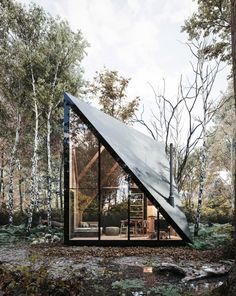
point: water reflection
(156, 278)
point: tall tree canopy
(212, 20)
(40, 58)
(110, 89)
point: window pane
(114, 199)
(83, 181)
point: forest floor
(54, 269)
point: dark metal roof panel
(144, 157)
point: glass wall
(84, 206)
(105, 204)
(114, 199)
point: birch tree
(217, 19)
(230, 283)
(20, 49)
(207, 78)
(47, 56)
(65, 49)
(212, 20)
(12, 94)
(60, 55)
(33, 36)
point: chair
(164, 228)
(142, 227)
(124, 227)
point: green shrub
(165, 290)
(116, 213)
(57, 215)
(212, 237)
(217, 209)
(216, 217)
(113, 218)
(128, 284)
(201, 245)
(190, 213)
(4, 215)
(19, 218)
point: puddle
(147, 269)
(154, 278)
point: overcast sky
(141, 39)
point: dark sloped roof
(141, 156)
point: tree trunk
(229, 286)
(49, 159)
(20, 187)
(232, 278)
(203, 154)
(201, 188)
(12, 166)
(57, 195)
(61, 183)
(233, 36)
(1, 179)
(34, 188)
(49, 174)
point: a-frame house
(117, 183)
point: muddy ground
(59, 270)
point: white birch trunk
(177, 140)
(49, 176)
(203, 153)
(34, 187)
(13, 162)
(232, 169)
(203, 159)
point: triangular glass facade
(116, 183)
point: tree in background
(221, 139)
(217, 20)
(206, 78)
(231, 282)
(110, 90)
(63, 52)
(12, 85)
(167, 118)
(40, 58)
(190, 184)
(217, 206)
(212, 21)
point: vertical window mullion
(129, 196)
(99, 190)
